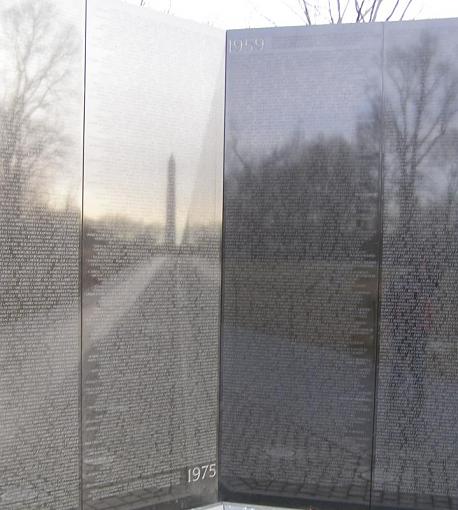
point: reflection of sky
(154, 87)
(60, 185)
(308, 81)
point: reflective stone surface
(416, 458)
(151, 266)
(41, 126)
(300, 272)
(341, 186)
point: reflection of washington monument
(195, 238)
(170, 221)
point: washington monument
(170, 221)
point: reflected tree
(38, 61)
(296, 221)
(421, 106)
(303, 202)
(39, 270)
(38, 56)
(303, 197)
(418, 113)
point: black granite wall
(337, 363)
(339, 341)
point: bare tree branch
(405, 10)
(372, 9)
(345, 9)
(365, 11)
(41, 62)
(330, 12)
(396, 5)
(376, 11)
(305, 8)
(359, 11)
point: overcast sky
(229, 14)
(154, 87)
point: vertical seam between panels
(81, 257)
(220, 343)
(380, 207)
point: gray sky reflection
(155, 87)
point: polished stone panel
(416, 456)
(41, 127)
(151, 266)
(300, 272)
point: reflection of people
(410, 312)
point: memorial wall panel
(416, 456)
(340, 187)
(41, 126)
(300, 271)
(151, 262)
